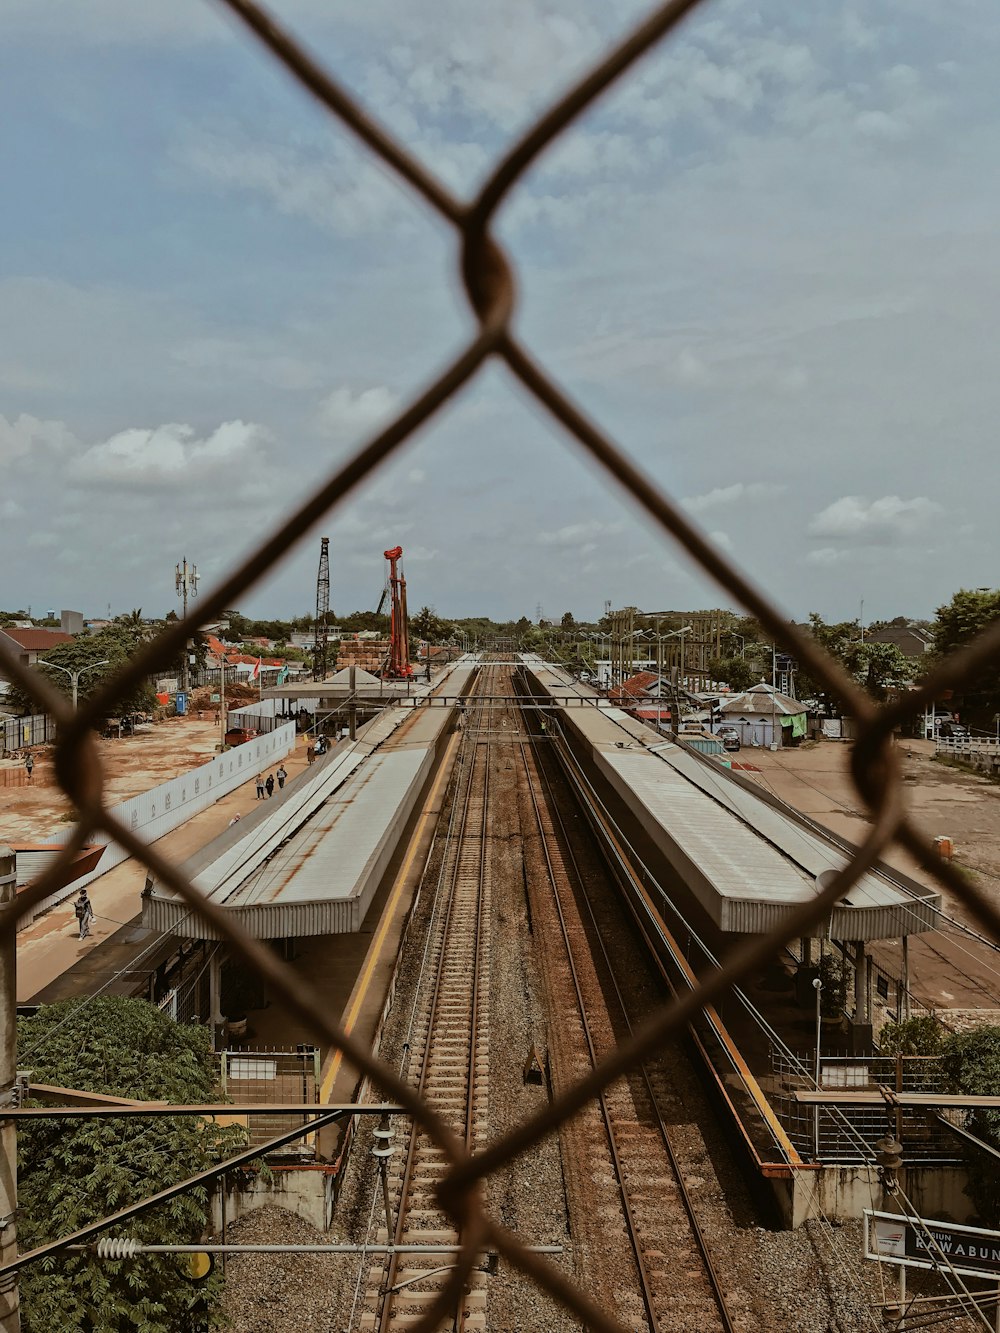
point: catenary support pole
(10, 1315)
(352, 710)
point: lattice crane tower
(322, 610)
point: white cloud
(170, 457)
(722, 540)
(882, 522)
(18, 438)
(740, 492)
(581, 535)
(348, 416)
(827, 555)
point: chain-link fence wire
(489, 283)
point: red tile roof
(636, 687)
(239, 658)
(38, 640)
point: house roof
(762, 699)
(911, 640)
(247, 659)
(37, 640)
(636, 687)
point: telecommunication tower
(186, 581)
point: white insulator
(117, 1247)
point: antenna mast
(186, 581)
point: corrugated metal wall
(20, 732)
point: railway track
(627, 1139)
(449, 1052)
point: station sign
(920, 1242)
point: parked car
(953, 731)
(729, 737)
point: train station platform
(312, 864)
(54, 964)
(745, 858)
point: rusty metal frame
(488, 276)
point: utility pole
(187, 584)
(10, 1313)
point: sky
(768, 262)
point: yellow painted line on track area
(375, 952)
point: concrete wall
(302, 1190)
(164, 808)
(842, 1193)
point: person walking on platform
(269, 784)
(281, 775)
(260, 786)
(84, 913)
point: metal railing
(488, 276)
(848, 1135)
(967, 745)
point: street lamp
(75, 675)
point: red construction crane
(399, 642)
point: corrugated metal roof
(746, 861)
(314, 861)
(764, 700)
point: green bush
(72, 1173)
(920, 1035)
(972, 1066)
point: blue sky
(768, 263)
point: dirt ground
(32, 813)
(949, 971)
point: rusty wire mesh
(489, 282)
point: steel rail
(459, 842)
(631, 1223)
(642, 1069)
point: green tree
(427, 624)
(958, 622)
(71, 1173)
(836, 638)
(567, 622)
(114, 645)
(736, 672)
(877, 667)
(920, 1035)
(972, 1065)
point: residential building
(28, 644)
